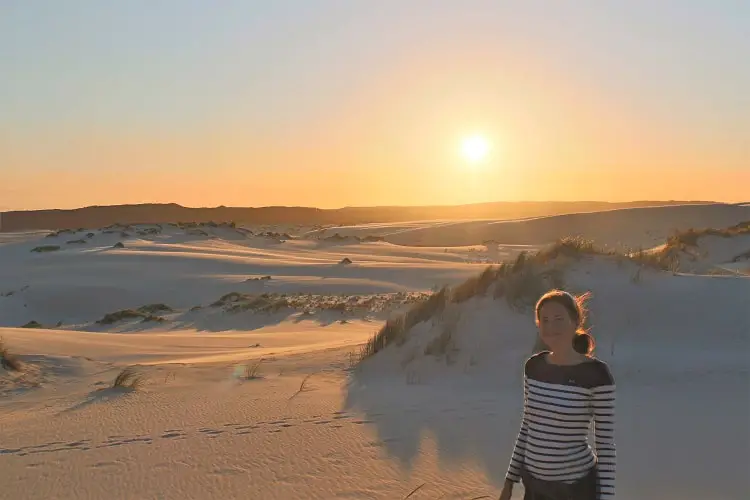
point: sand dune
(259, 395)
(620, 228)
(80, 283)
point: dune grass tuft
(7, 360)
(741, 257)
(573, 247)
(45, 248)
(129, 378)
(145, 313)
(155, 308)
(32, 324)
(474, 286)
(251, 370)
(117, 316)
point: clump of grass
(129, 378)
(77, 242)
(395, 329)
(155, 308)
(524, 280)
(251, 370)
(742, 256)
(46, 248)
(229, 298)
(684, 239)
(475, 286)
(573, 246)
(423, 311)
(665, 259)
(338, 306)
(32, 324)
(260, 278)
(7, 360)
(261, 303)
(117, 316)
(119, 244)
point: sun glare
(475, 148)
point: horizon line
(352, 207)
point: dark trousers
(538, 489)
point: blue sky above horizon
(333, 102)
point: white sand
(678, 345)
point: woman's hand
(507, 491)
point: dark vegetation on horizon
(100, 216)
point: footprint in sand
(110, 444)
(173, 435)
(144, 439)
(245, 427)
(101, 465)
(211, 432)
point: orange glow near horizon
(389, 144)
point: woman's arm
(519, 450)
(604, 434)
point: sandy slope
(310, 426)
(630, 227)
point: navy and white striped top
(560, 404)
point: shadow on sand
(100, 396)
(471, 420)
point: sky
(334, 103)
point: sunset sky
(352, 102)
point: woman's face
(556, 326)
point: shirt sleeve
(604, 436)
(519, 450)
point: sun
(475, 148)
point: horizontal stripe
(570, 390)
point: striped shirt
(560, 404)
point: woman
(565, 389)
